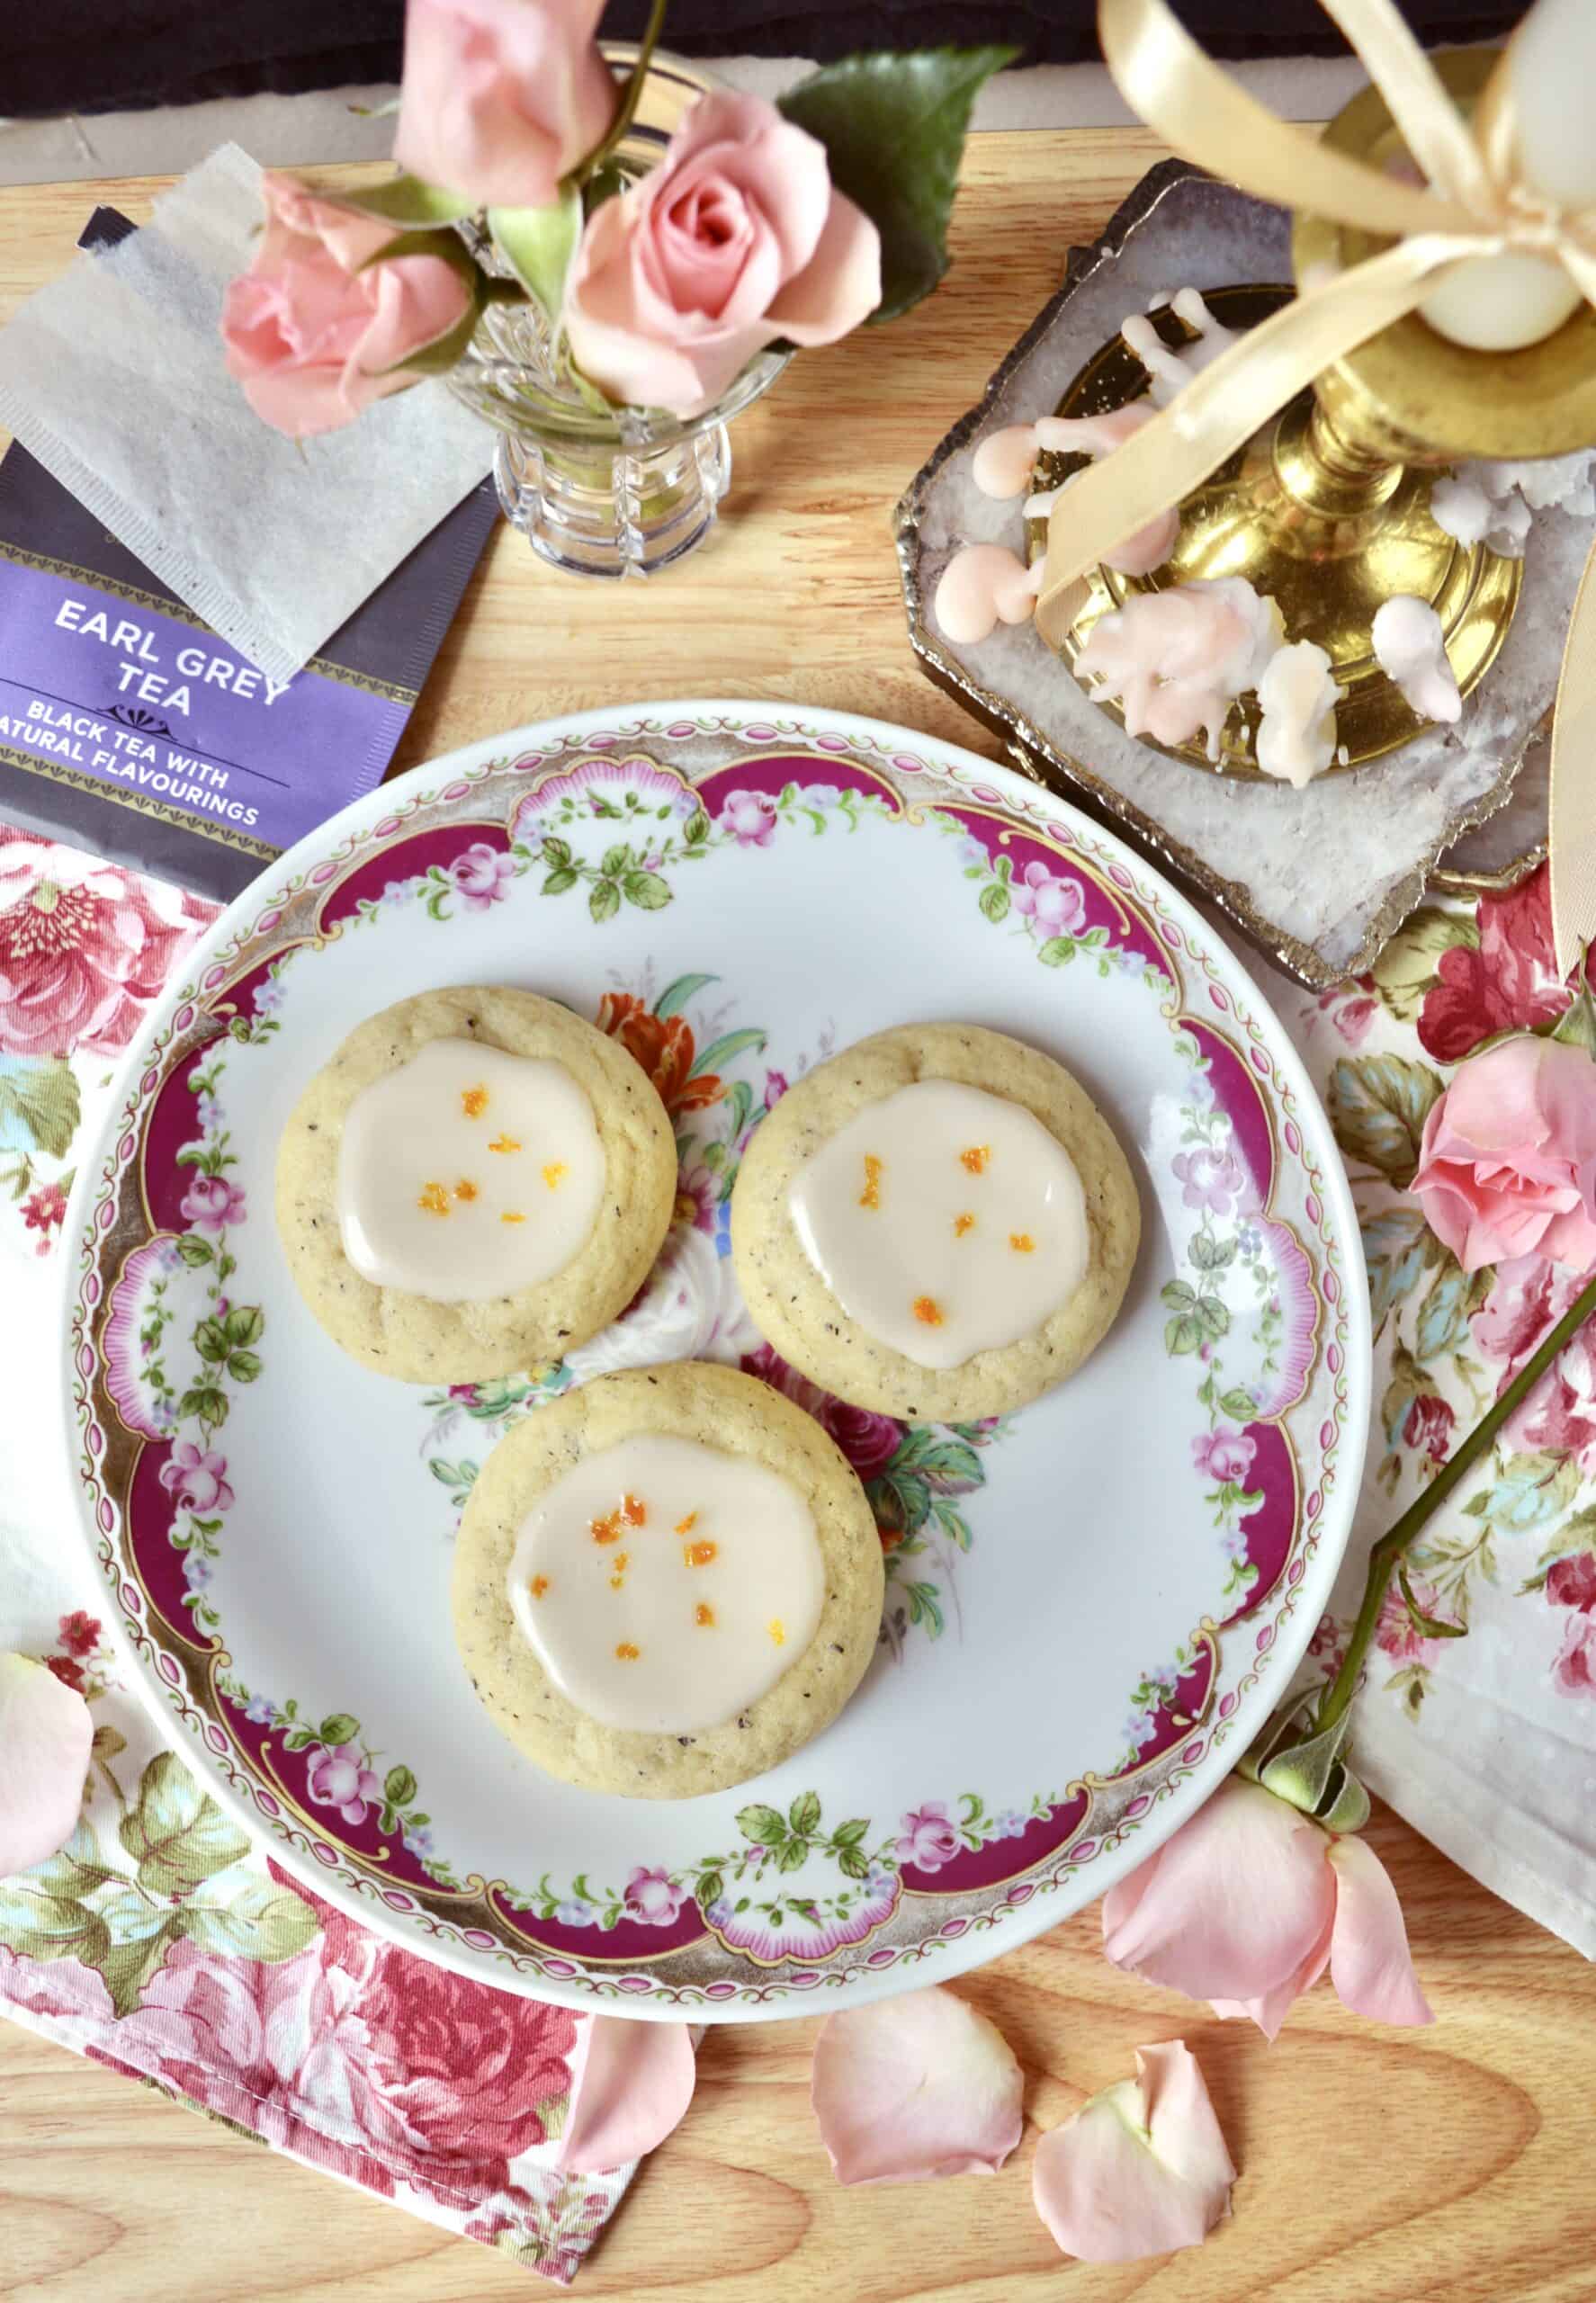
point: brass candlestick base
(1327, 508)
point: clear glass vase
(622, 492)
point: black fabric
(114, 55)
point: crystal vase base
(613, 513)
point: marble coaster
(1320, 879)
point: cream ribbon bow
(1474, 205)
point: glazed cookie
(937, 1223)
(666, 1582)
(476, 1182)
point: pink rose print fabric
(435, 2092)
(1471, 1165)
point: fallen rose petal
(1370, 1964)
(45, 1734)
(1233, 1904)
(915, 2087)
(630, 2086)
(1141, 2169)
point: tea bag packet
(113, 377)
(129, 725)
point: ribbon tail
(1223, 405)
(1203, 114)
(1573, 820)
(1431, 124)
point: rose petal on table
(630, 2086)
(1140, 2170)
(1370, 1964)
(1232, 1906)
(915, 2087)
(45, 1734)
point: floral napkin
(1486, 1743)
(159, 1941)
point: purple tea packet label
(97, 688)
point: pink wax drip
(982, 584)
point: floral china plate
(1091, 1605)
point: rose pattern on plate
(837, 1906)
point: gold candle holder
(1327, 508)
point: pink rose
(1249, 1901)
(1224, 1455)
(653, 1898)
(210, 1202)
(868, 1440)
(1571, 1582)
(1507, 1165)
(1058, 906)
(1575, 1671)
(339, 1778)
(83, 948)
(501, 98)
(1396, 1633)
(312, 337)
(929, 1840)
(750, 817)
(1511, 981)
(1428, 1424)
(736, 239)
(483, 874)
(1212, 1179)
(197, 1477)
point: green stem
(630, 100)
(1391, 1547)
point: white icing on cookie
(946, 1221)
(468, 1173)
(664, 1586)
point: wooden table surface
(1376, 2166)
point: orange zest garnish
(606, 1530)
(704, 1616)
(554, 1173)
(961, 1224)
(512, 1215)
(870, 1195)
(435, 1199)
(699, 1554)
(540, 1584)
(626, 1653)
(503, 1143)
(777, 1630)
(1022, 1243)
(974, 1157)
(634, 1510)
(686, 1527)
(465, 1190)
(927, 1311)
(473, 1102)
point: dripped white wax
(945, 1220)
(1297, 698)
(468, 1173)
(1001, 467)
(1171, 369)
(664, 1585)
(1176, 660)
(1411, 646)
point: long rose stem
(1383, 1559)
